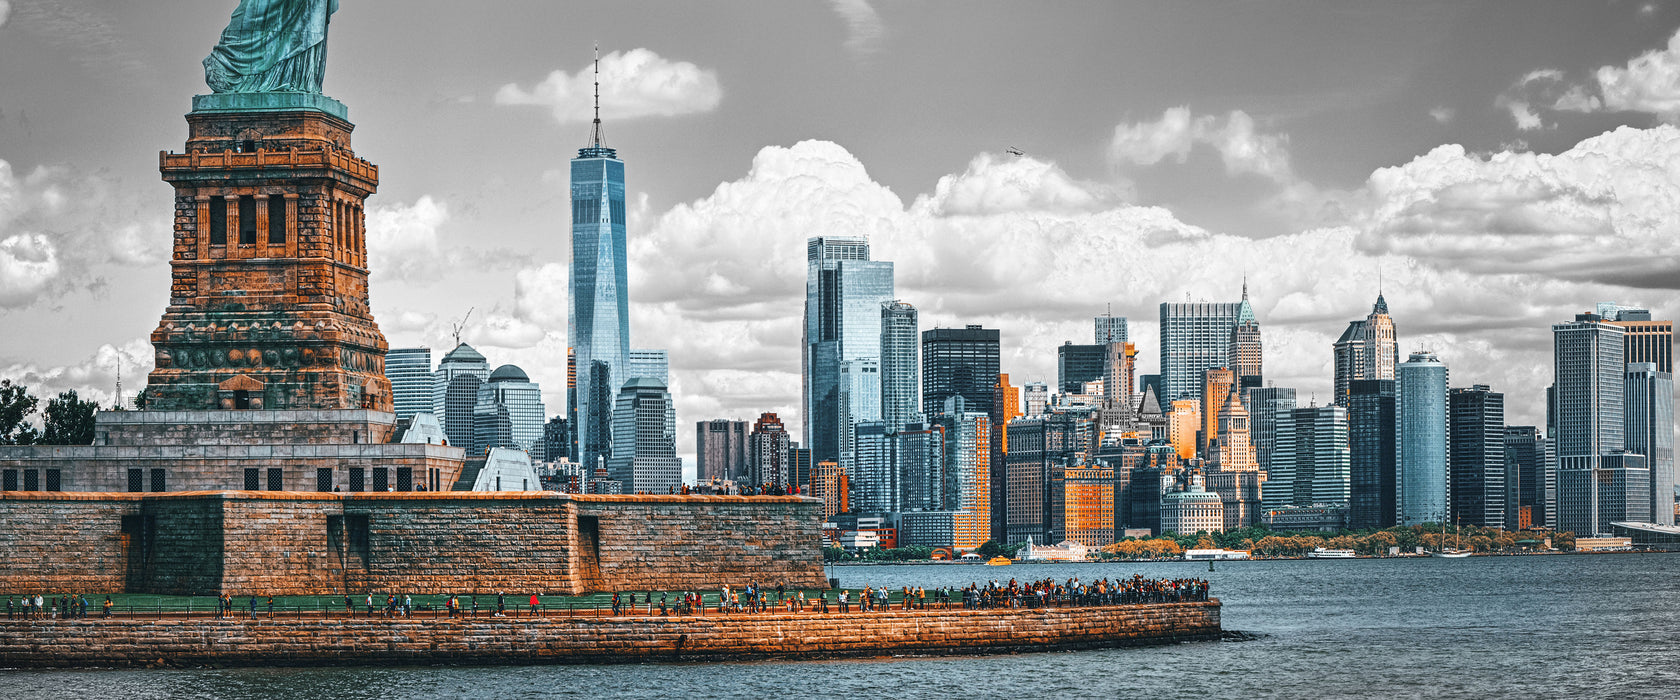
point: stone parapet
(584, 639)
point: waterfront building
(1476, 456)
(509, 412)
(1217, 383)
(1196, 336)
(1310, 463)
(1183, 425)
(1264, 405)
(410, 373)
(1192, 510)
(844, 291)
(1078, 364)
(1371, 454)
(598, 291)
(919, 455)
(1110, 329)
(900, 365)
(1648, 420)
(1088, 505)
(1420, 440)
(1035, 398)
(1587, 409)
(968, 472)
(874, 472)
(455, 393)
(927, 528)
(1325, 518)
(1529, 484)
(720, 448)
(770, 454)
(1617, 490)
(1026, 473)
(644, 451)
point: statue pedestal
(269, 102)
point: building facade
(959, 362)
(1078, 364)
(509, 413)
(1420, 439)
(598, 291)
(410, 373)
(1196, 336)
(1648, 419)
(1264, 405)
(901, 383)
(644, 450)
(720, 449)
(455, 392)
(844, 291)
(1311, 462)
(770, 454)
(1530, 484)
(1372, 453)
(1589, 378)
(1476, 456)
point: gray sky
(1501, 167)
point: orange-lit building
(1183, 422)
(1216, 387)
(1088, 505)
(828, 482)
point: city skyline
(1079, 222)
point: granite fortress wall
(296, 543)
(597, 639)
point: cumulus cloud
(1240, 145)
(539, 295)
(863, 26)
(402, 239)
(635, 83)
(57, 236)
(1443, 115)
(5, 12)
(1650, 82)
(1607, 210)
(720, 281)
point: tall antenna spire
(1245, 286)
(119, 403)
(595, 135)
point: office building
(1120, 380)
(844, 291)
(1078, 364)
(1648, 420)
(1476, 456)
(771, 454)
(1264, 405)
(860, 402)
(1193, 509)
(829, 484)
(1311, 463)
(455, 393)
(1644, 339)
(901, 384)
(1368, 349)
(1110, 329)
(1232, 471)
(1196, 336)
(1420, 439)
(1184, 424)
(874, 472)
(410, 372)
(720, 449)
(1589, 380)
(1246, 357)
(967, 488)
(598, 290)
(1087, 502)
(508, 413)
(1217, 383)
(644, 448)
(919, 453)
(1617, 490)
(1035, 398)
(555, 434)
(1529, 484)
(1371, 454)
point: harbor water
(1533, 626)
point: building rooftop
(508, 373)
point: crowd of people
(65, 607)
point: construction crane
(461, 325)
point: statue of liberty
(272, 46)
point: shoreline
(1227, 561)
(177, 642)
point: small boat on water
(999, 561)
(1322, 553)
(1449, 554)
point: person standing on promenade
(534, 604)
(408, 606)
(349, 607)
(845, 605)
(370, 604)
(271, 607)
(108, 606)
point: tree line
(67, 419)
(1263, 542)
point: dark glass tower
(599, 318)
(1370, 405)
(1476, 449)
(959, 362)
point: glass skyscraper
(1587, 405)
(410, 372)
(1420, 438)
(455, 393)
(599, 317)
(644, 455)
(1649, 417)
(1371, 426)
(1197, 336)
(509, 412)
(844, 291)
(959, 362)
(1110, 329)
(1476, 448)
(900, 365)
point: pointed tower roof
(1381, 307)
(1245, 312)
(596, 149)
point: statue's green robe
(272, 46)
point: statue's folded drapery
(272, 46)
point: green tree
(989, 550)
(69, 420)
(16, 405)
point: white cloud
(1523, 115)
(1650, 82)
(57, 235)
(93, 377)
(993, 185)
(539, 295)
(28, 261)
(402, 239)
(5, 11)
(1443, 114)
(1177, 132)
(636, 83)
(863, 26)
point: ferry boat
(1322, 553)
(999, 561)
